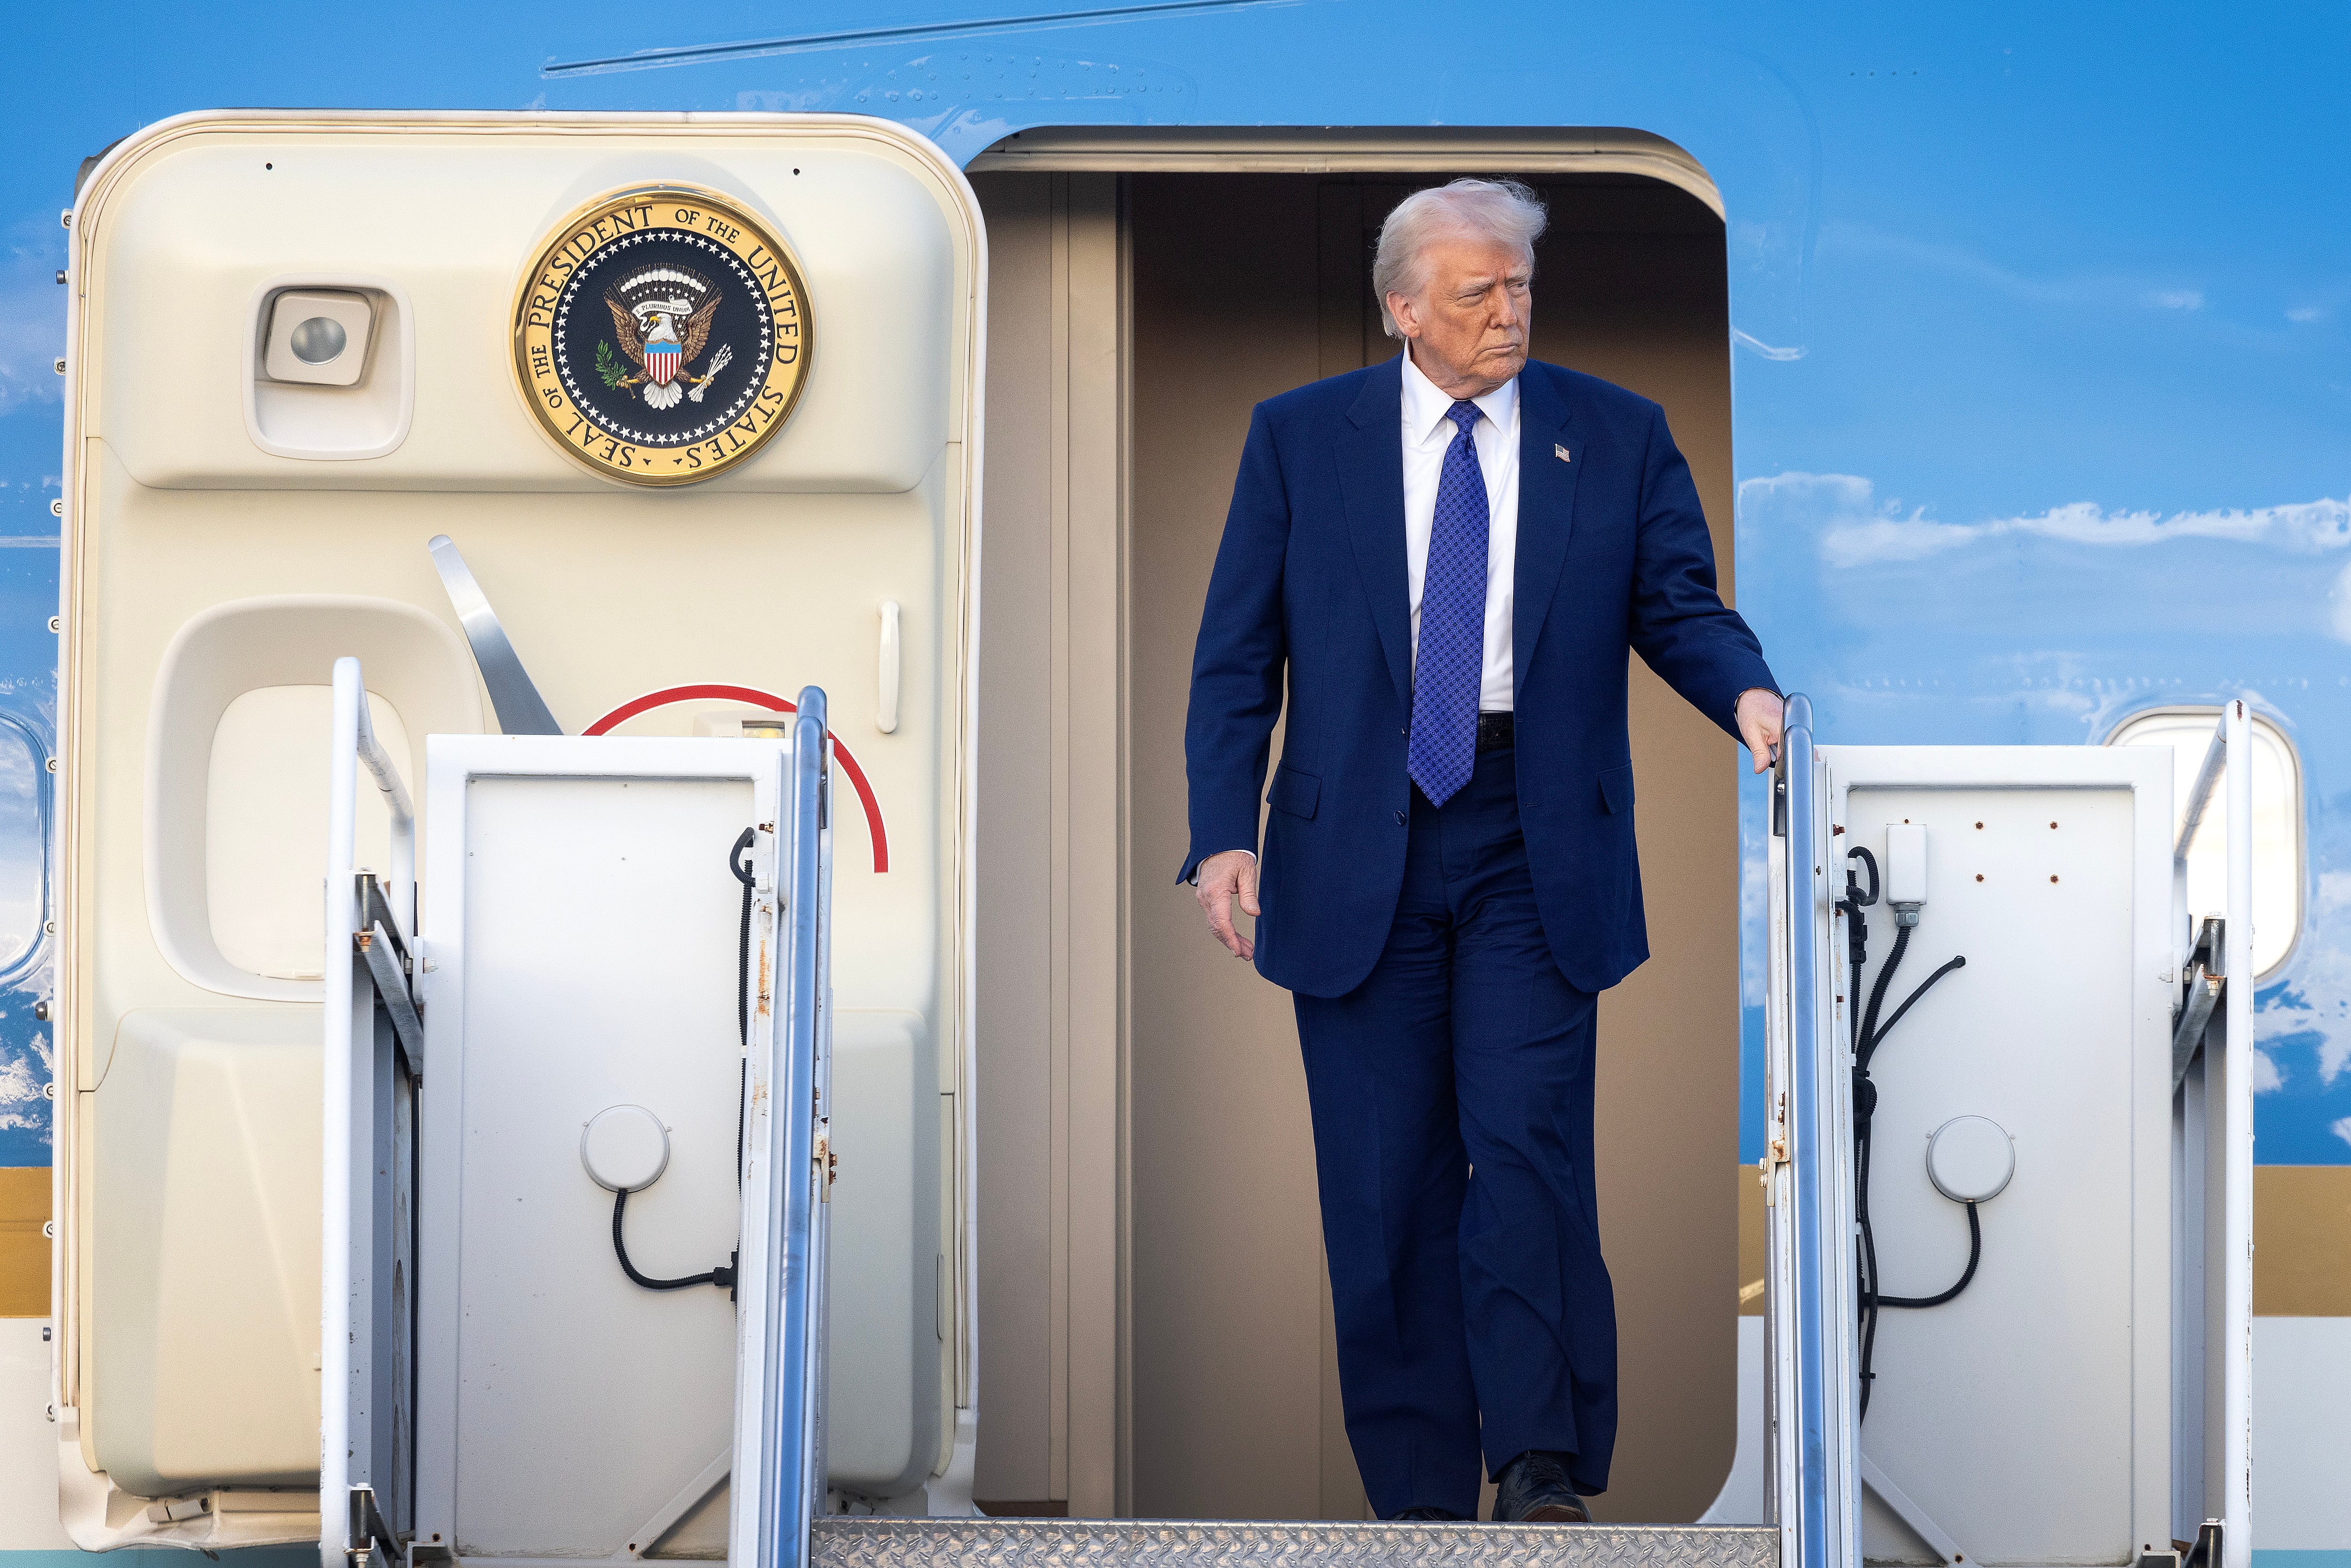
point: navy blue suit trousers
(1451, 1095)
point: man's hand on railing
(1759, 715)
(1224, 877)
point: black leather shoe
(1533, 1489)
(1428, 1516)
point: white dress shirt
(1427, 432)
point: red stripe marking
(774, 704)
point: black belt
(1494, 731)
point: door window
(2277, 823)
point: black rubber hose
(1868, 1277)
(1869, 1031)
(1910, 1001)
(1975, 1252)
(1868, 1035)
(738, 861)
(723, 1277)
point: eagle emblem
(662, 334)
(662, 315)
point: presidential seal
(662, 335)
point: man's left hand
(1758, 717)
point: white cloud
(23, 1107)
(2105, 291)
(2342, 1129)
(2333, 890)
(2306, 313)
(1754, 904)
(2339, 609)
(2317, 1003)
(1856, 528)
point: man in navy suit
(1447, 558)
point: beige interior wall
(1050, 848)
(1228, 1380)
(1013, 1039)
(1244, 286)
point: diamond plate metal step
(866, 1542)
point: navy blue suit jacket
(1309, 584)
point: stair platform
(884, 1542)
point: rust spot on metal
(764, 997)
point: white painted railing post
(335, 1186)
(349, 1046)
(2237, 1221)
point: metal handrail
(792, 1478)
(2231, 741)
(2199, 794)
(1811, 1305)
(354, 743)
(2232, 738)
(1824, 1538)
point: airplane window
(2277, 823)
(22, 780)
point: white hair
(1502, 210)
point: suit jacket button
(1400, 818)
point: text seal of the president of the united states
(661, 335)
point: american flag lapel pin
(1561, 453)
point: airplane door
(696, 397)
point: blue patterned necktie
(1451, 666)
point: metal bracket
(379, 943)
(1910, 1513)
(368, 1532)
(2207, 984)
(391, 965)
(375, 945)
(714, 1474)
(376, 909)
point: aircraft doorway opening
(1155, 1325)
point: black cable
(1868, 1278)
(1924, 987)
(1868, 1034)
(723, 1277)
(1866, 1041)
(1975, 1252)
(1864, 1094)
(738, 861)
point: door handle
(885, 718)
